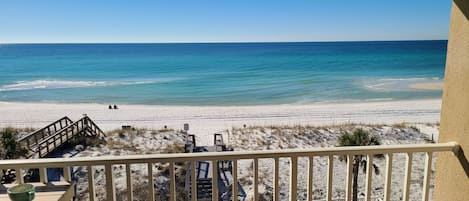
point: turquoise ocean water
(220, 73)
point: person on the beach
(115, 107)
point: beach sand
(206, 120)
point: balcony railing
(292, 155)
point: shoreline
(365, 101)
(206, 120)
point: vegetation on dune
(359, 137)
(8, 143)
(10, 148)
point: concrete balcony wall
(452, 173)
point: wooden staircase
(44, 141)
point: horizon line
(214, 42)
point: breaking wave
(399, 84)
(64, 84)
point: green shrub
(10, 148)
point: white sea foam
(398, 84)
(63, 84)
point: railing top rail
(180, 157)
(45, 127)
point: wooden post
(43, 175)
(47, 143)
(110, 192)
(55, 141)
(19, 176)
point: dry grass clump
(121, 131)
(343, 126)
(124, 139)
(19, 132)
(401, 125)
(173, 148)
(86, 141)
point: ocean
(221, 73)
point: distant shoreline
(206, 120)
(210, 42)
(428, 86)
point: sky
(112, 21)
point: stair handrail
(31, 135)
(62, 130)
(44, 128)
(86, 123)
(94, 126)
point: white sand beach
(205, 120)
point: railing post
(43, 175)
(276, 179)
(91, 186)
(129, 182)
(330, 168)
(235, 180)
(110, 193)
(256, 179)
(67, 174)
(55, 141)
(19, 176)
(61, 138)
(47, 146)
(215, 180)
(427, 175)
(387, 184)
(193, 172)
(408, 171)
(349, 179)
(35, 139)
(151, 184)
(172, 182)
(310, 178)
(293, 178)
(369, 173)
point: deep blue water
(220, 73)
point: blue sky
(53, 21)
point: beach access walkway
(44, 141)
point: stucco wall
(452, 180)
